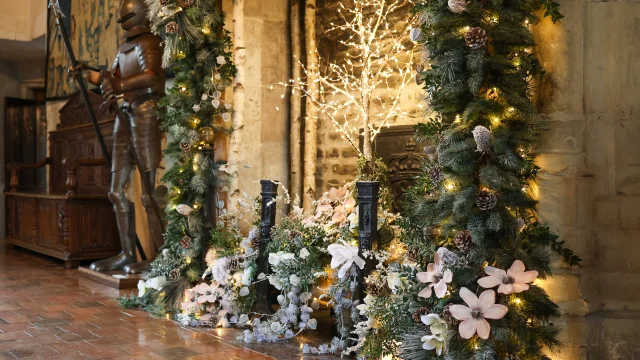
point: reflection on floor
(47, 312)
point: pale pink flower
(437, 278)
(208, 293)
(473, 316)
(514, 280)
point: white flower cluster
(218, 302)
(293, 317)
(156, 284)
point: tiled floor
(47, 312)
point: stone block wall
(590, 186)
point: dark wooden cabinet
(72, 219)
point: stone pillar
(265, 152)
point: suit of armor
(137, 76)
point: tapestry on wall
(95, 36)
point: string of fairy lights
(365, 89)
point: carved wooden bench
(72, 219)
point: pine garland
(479, 79)
(198, 53)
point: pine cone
(464, 241)
(185, 3)
(435, 174)
(171, 28)
(185, 242)
(378, 289)
(413, 254)
(447, 316)
(234, 263)
(174, 274)
(255, 243)
(184, 146)
(475, 38)
(164, 2)
(417, 315)
(486, 200)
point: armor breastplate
(137, 56)
(129, 59)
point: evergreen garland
(475, 199)
(198, 53)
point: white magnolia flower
(439, 328)
(312, 324)
(227, 106)
(217, 94)
(244, 291)
(246, 276)
(393, 280)
(304, 253)
(243, 319)
(294, 280)
(280, 256)
(368, 300)
(221, 60)
(217, 76)
(142, 289)
(473, 316)
(437, 278)
(205, 96)
(156, 283)
(345, 255)
(196, 108)
(226, 116)
(514, 280)
(281, 299)
(166, 253)
(215, 103)
(184, 209)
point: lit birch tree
(361, 93)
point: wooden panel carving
(25, 140)
(403, 157)
(96, 235)
(70, 229)
(27, 220)
(63, 227)
(46, 227)
(75, 136)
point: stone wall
(590, 186)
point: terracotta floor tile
(34, 351)
(47, 313)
